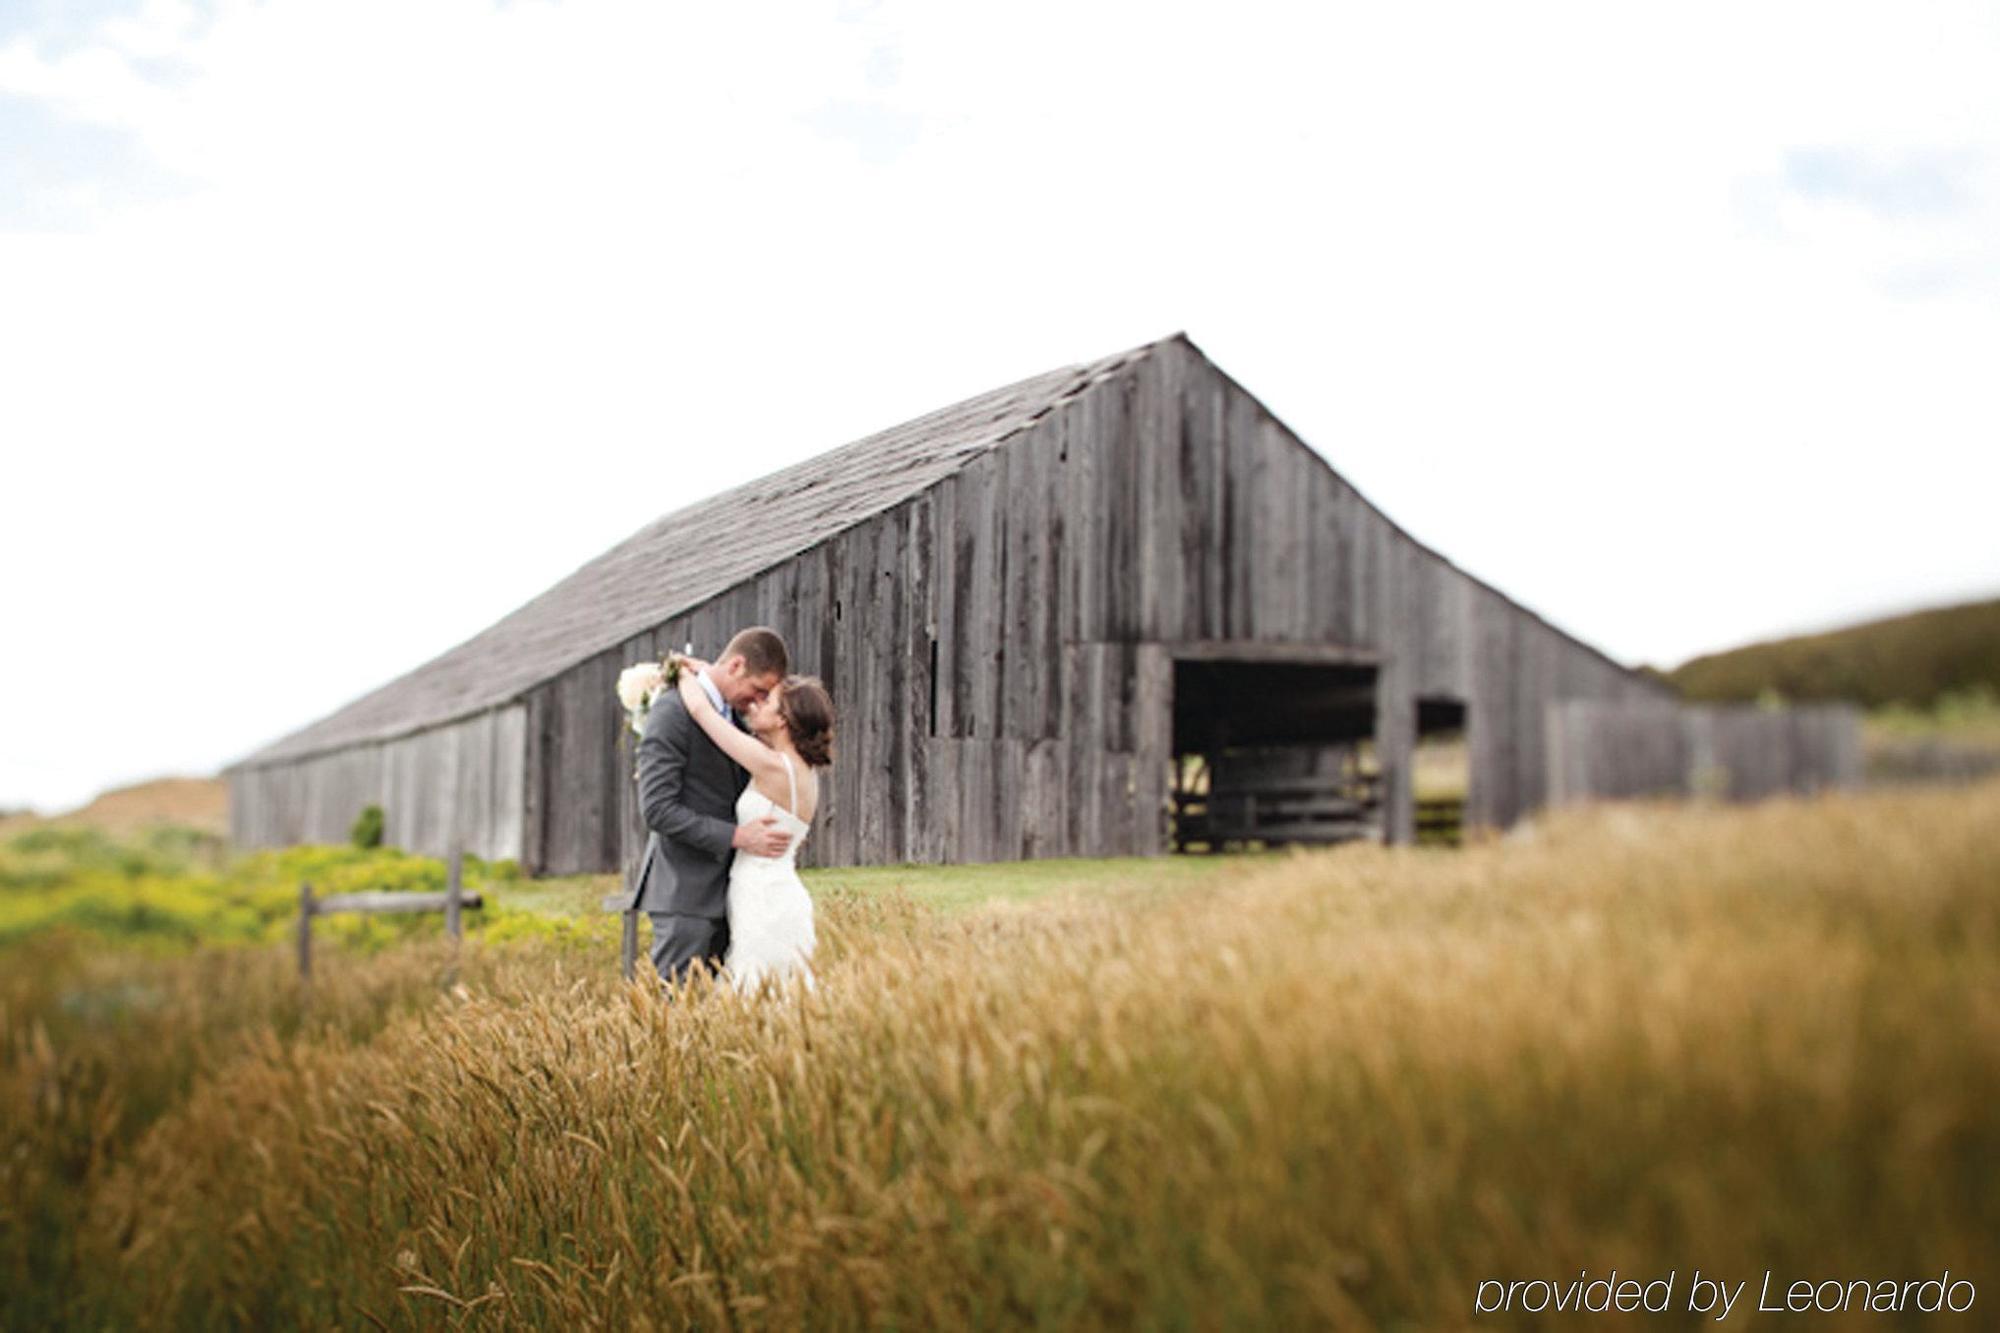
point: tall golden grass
(1338, 1091)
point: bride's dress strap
(793, 779)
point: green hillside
(1912, 660)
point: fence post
(454, 895)
(628, 944)
(305, 930)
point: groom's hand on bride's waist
(761, 837)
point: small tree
(367, 830)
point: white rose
(637, 683)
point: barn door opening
(1268, 753)
(1442, 767)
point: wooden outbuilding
(1095, 613)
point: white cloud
(448, 297)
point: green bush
(1976, 710)
(171, 889)
(367, 830)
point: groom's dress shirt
(715, 697)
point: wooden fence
(1440, 821)
(453, 902)
(1607, 751)
(1313, 808)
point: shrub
(367, 831)
(170, 889)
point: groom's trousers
(681, 941)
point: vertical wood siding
(464, 779)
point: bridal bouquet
(641, 684)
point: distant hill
(201, 803)
(1912, 660)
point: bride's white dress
(770, 913)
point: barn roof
(682, 560)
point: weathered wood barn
(1039, 611)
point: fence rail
(378, 903)
(1440, 821)
(453, 902)
(1308, 808)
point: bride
(791, 736)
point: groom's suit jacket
(687, 793)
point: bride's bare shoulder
(774, 788)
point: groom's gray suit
(687, 793)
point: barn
(1110, 610)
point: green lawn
(963, 887)
(950, 889)
(566, 896)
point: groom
(687, 793)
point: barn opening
(1268, 753)
(1441, 770)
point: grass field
(949, 890)
(1338, 1089)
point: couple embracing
(728, 785)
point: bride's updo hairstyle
(808, 713)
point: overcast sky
(333, 330)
